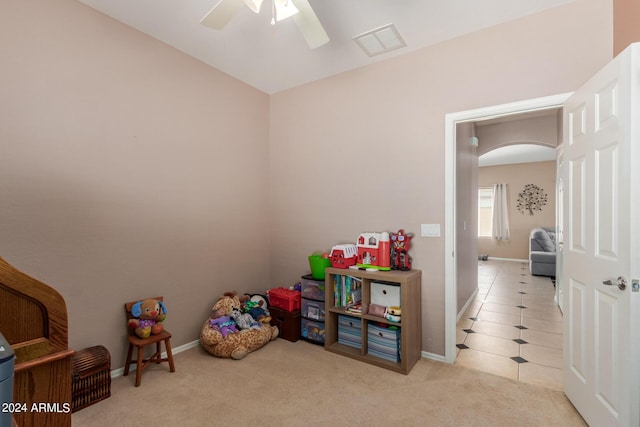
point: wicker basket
(91, 376)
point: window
(485, 211)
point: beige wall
(626, 27)
(364, 150)
(542, 174)
(131, 169)
(536, 130)
(128, 170)
(466, 214)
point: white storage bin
(386, 294)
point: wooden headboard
(33, 319)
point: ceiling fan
(300, 10)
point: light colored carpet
(300, 384)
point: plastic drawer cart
(312, 310)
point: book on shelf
(356, 296)
(347, 290)
(337, 290)
(347, 284)
(355, 308)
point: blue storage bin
(383, 342)
(350, 331)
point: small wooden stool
(140, 343)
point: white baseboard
(466, 305)
(118, 372)
(508, 259)
(433, 356)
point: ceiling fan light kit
(283, 9)
(254, 5)
(301, 11)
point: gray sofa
(542, 251)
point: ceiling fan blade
(254, 5)
(309, 24)
(221, 13)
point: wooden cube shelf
(410, 326)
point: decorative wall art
(531, 199)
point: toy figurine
(400, 245)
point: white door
(601, 186)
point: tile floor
(513, 328)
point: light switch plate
(430, 230)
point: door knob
(621, 282)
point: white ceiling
(274, 58)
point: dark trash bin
(7, 358)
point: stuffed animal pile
(232, 332)
(147, 317)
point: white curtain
(500, 213)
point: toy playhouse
(374, 251)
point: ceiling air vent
(380, 40)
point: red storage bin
(285, 299)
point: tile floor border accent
(513, 327)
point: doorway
(512, 326)
(451, 225)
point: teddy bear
(147, 317)
(237, 345)
(255, 308)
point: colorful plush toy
(236, 345)
(255, 308)
(393, 314)
(224, 324)
(244, 320)
(147, 317)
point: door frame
(451, 120)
